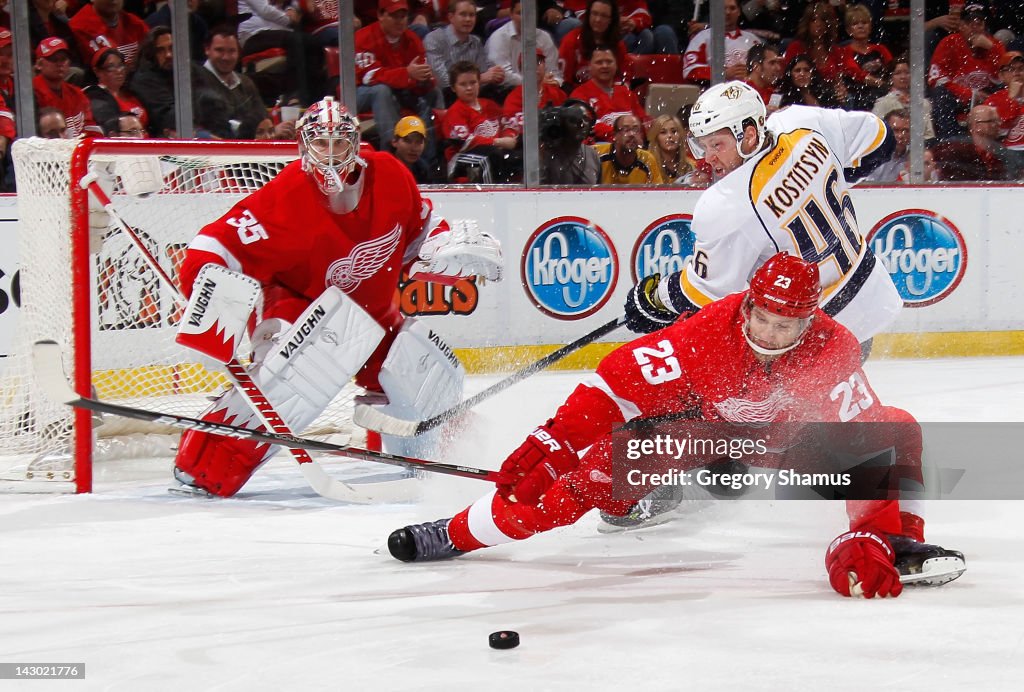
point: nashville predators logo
(732, 92)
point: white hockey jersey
(794, 198)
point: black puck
(506, 639)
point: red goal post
(86, 287)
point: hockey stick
(372, 418)
(316, 477)
(46, 357)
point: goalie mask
(730, 106)
(328, 138)
(785, 287)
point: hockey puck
(506, 639)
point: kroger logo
(569, 268)
(923, 252)
(664, 247)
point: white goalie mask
(727, 106)
(328, 137)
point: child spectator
(472, 126)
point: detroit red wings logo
(365, 260)
(746, 411)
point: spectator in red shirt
(392, 73)
(110, 96)
(472, 129)
(764, 70)
(550, 94)
(608, 99)
(1009, 102)
(964, 71)
(866, 64)
(53, 62)
(105, 24)
(696, 61)
(816, 37)
(600, 27)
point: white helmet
(727, 105)
(328, 138)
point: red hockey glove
(529, 471)
(860, 563)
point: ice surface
(279, 589)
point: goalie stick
(316, 477)
(46, 356)
(372, 418)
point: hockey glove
(860, 563)
(534, 467)
(449, 254)
(644, 311)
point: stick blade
(372, 418)
(49, 370)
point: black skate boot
(924, 564)
(423, 542)
(656, 508)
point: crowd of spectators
(441, 80)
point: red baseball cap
(99, 56)
(1008, 57)
(392, 6)
(5, 38)
(51, 46)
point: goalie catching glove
(862, 563)
(534, 467)
(458, 252)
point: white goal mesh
(102, 299)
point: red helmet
(786, 285)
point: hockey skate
(423, 542)
(656, 508)
(924, 564)
(187, 485)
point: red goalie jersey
(285, 236)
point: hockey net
(107, 308)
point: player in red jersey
(765, 355)
(342, 217)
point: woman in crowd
(666, 141)
(109, 96)
(600, 28)
(816, 37)
(801, 85)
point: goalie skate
(924, 564)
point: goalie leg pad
(303, 372)
(421, 377)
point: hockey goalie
(315, 256)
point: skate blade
(189, 491)
(604, 527)
(936, 572)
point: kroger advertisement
(955, 256)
